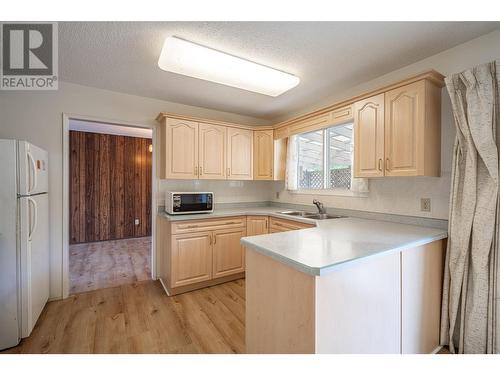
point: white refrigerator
(24, 239)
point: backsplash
(224, 191)
(388, 195)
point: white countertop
(332, 243)
(259, 211)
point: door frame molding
(66, 117)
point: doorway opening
(110, 205)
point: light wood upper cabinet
(179, 159)
(212, 152)
(191, 258)
(239, 154)
(398, 133)
(228, 253)
(263, 154)
(412, 130)
(257, 225)
(369, 137)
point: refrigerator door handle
(33, 217)
(32, 184)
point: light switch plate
(136, 221)
(425, 204)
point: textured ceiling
(327, 56)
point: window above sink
(325, 158)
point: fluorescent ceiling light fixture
(191, 59)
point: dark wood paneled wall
(110, 187)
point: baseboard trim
(438, 348)
(204, 284)
(164, 287)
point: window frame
(326, 190)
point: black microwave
(177, 202)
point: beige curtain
(470, 320)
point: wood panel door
(257, 225)
(239, 154)
(191, 258)
(404, 130)
(110, 187)
(212, 149)
(228, 253)
(369, 137)
(263, 142)
(181, 149)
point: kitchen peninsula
(347, 285)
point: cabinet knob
(387, 165)
(380, 165)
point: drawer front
(282, 225)
(191, 226)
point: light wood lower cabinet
(282, 225)
(257, 225)
(200, 253)
(228, 253)
(194, 254)
(191, 258)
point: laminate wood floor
(141, 318)
(106, 264)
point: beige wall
(37, 118)
(401, 195)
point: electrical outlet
(425, 204)
(136, 221)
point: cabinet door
(257, 225)
(263, 154)
(369, 137)
(181, 149)
(228, 253)
(404, 126)
(239, 154)
(191, 258)
(212, 152)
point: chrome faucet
(321, 208)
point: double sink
(310, 215)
